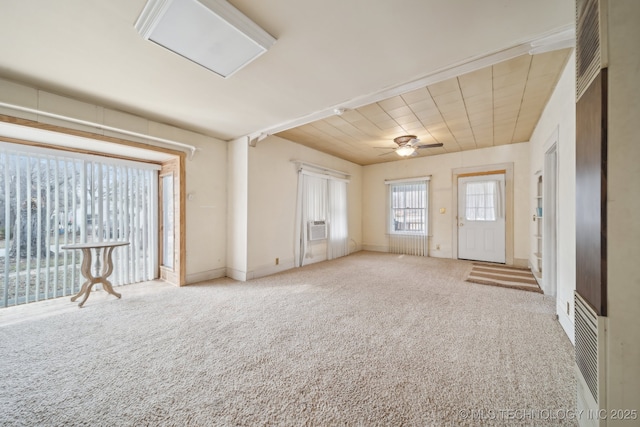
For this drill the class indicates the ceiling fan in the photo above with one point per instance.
(408, 145)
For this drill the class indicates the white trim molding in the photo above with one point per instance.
(192, 149)
(399, 181)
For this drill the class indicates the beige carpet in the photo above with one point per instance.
(370, 339)
(504, 276)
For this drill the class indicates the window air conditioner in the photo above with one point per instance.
(317, 230)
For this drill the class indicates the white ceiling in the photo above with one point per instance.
(328, 53)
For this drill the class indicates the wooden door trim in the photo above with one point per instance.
(177, 274)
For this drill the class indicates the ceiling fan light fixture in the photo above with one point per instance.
(405, 150)
(405, 139)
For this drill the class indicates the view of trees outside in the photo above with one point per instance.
(48, 201)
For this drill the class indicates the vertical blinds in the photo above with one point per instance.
(48, 200)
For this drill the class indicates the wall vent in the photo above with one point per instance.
(590, 42)
(587, 344)
(317, 230)
(590, 346)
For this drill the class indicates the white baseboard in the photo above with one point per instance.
(375, 248)
(234, 274)
(268, 270)
(206, 275)
(567, 324)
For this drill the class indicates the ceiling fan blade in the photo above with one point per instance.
(384, 154)
(386, 148)
(439, 144)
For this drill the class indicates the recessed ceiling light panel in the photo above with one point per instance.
(211, 33)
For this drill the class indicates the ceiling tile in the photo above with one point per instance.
(386, 124)
(476, 83)
(424, 105)
(448, 98)
(353, 116)
(414, 128)
(415, 96)
(400, 112)
(370, 110)
(392, 103)
(446, 86)
(517, 65)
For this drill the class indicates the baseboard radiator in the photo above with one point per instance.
(590, 346)
(408, 244)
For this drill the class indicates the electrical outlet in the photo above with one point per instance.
(277, 261)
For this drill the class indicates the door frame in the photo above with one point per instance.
(507, 169)
(498, 227)
(550, 222)
(176, 274)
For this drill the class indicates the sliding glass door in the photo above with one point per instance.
(50, 198)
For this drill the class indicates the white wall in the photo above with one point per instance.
(560, 116)
(441, 168)
(623, 205)
(206, 173)
(273, 184)
(237, 208)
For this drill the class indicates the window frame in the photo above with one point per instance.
(392, 184)
(177, 166)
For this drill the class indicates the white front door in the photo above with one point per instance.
(481, 222)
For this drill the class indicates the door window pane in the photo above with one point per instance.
(481, 201)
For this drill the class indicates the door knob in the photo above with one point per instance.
(461, 224)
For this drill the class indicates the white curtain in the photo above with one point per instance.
(321, 198)
(338, 236)
(483, 201)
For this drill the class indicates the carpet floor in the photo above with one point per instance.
(504, 276)
(365, 340)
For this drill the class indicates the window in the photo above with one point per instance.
(408, 208)
(481, 201)
(321, 197)
(50, 198)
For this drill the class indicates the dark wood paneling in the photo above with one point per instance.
(591, 194)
